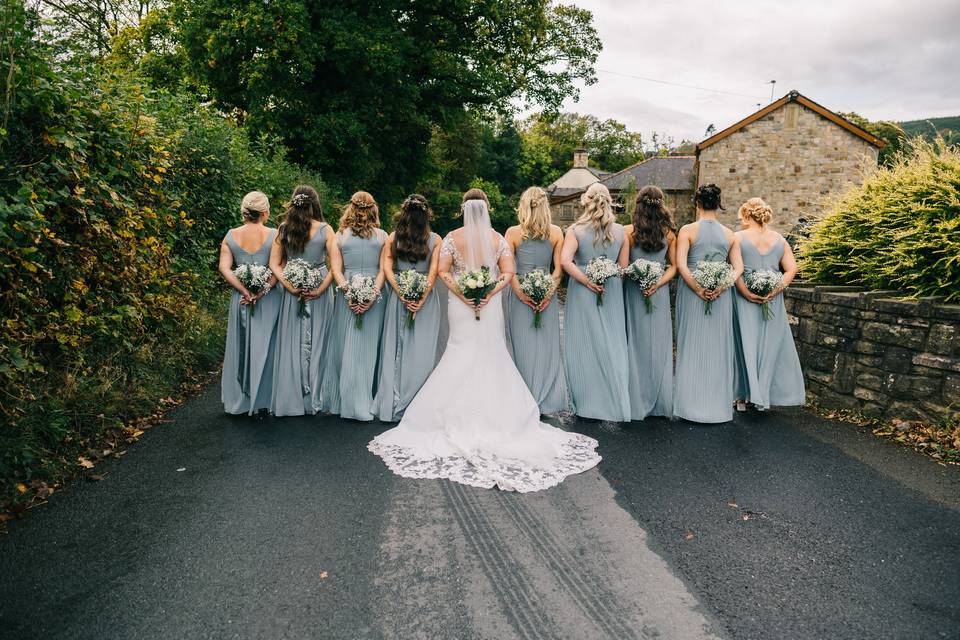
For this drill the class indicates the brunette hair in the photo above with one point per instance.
(651, 220)
(411, 235)
(361, 215)
(301, 211)
(476, 194)
(757, 210)
(533, 214)
(708, 197)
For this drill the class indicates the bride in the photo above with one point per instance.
(474, 421)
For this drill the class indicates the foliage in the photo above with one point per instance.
(889, 132)
(900, 230)
(932, 128)
(113, 200)
(355, 87)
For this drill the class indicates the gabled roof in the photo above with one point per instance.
(670, 173)
(794, 96)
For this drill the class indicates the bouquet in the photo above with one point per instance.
(537, 285)
(255, 278)
(714, 275)
(645, 273)
(412, 285)
(304, 276)
(475, 285)
(763, 283)
(361, 290)
(599, 270)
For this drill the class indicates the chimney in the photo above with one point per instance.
(580, 158)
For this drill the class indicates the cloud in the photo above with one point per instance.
(885, 59)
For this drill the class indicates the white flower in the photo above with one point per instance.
(601, 269)
(645, 273)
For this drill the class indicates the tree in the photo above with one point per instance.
(711, 131)
(355, 87)
(890, 132)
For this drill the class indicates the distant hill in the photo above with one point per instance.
(948, 127)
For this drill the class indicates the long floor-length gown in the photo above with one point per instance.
(349, 375)
(407, 354)
(300, 340)
(474, 421)
(595, 337)
(247, 379)
(536, 351)
(705, 370)
(768, 367)
(650, 344)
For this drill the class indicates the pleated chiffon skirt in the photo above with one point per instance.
(247, 382)
(300, 354)
(650, 352)
(536, 352)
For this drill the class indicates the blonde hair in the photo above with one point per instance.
(254, 205)
(757, 210)
(597, 213)
(533, 213)
(361, 215)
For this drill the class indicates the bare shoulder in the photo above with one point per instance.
(689, 229)
(627, 229)
(556, 234)
(512, 233)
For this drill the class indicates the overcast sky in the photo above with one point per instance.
(885, 59)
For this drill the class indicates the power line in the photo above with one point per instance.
(679, 84)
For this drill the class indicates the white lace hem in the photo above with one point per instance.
(487, 471)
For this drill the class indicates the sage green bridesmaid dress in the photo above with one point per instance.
(768, 367)
(536, 352)
(349, 374)
(650, 344)
(407, 354)
(300, 341)
(705, 370)
(247, 380)
(595, 338)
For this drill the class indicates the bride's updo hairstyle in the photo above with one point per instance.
(597, 213)
(757, 210)
(300, 212)
(651, 220)
(708, 197)
(474, 194)
(411, 235)
(533, 214)
(254, 205)
(361, 215)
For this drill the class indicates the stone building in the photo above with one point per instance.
(793, 153)
(571, 184)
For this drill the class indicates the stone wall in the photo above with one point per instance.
(871, 352)
(793, 158)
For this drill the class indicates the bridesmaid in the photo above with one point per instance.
(536, 351)
(595, 337)
(349, 374)
(248, 359)
(706, 356)
(300, 336)
(768, 368)
(408, 354)
(650, 334)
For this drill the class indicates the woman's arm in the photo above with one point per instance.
(556, 241)
(226, 270)
(336, 264)
(570, 245)
(513, 241)
(788, 264)
(276, 266)
(379, 280)
(684, 240)
(330, 241)
(671, 270)
(624, 258)
(386, 264)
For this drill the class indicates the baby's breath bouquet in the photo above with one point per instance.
(536, 285)
(762, 283)
(255, 277)
(303, 276)
(714, 275)
(599, 270)
(475, 285)
(361, 290)
(645, 273)
(412, 285)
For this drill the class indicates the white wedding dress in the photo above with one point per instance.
(474, 420)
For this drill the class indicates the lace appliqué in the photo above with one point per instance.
(449, 248)
(488, 471)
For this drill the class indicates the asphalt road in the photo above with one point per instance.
(776, 526)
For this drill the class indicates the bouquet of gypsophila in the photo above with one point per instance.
(475, 285)
(303, 276)
(412, 286)
(599, 270)
(255, 277)
(762, 283)
(645, 273)
(361, 290)
(536, 285)
(713, 275)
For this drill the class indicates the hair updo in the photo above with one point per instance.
(411, 235)
(254, 205)
(361, 215)
(757, 210)
(708, 197)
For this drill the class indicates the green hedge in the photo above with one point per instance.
(900, 230)
(113, 200)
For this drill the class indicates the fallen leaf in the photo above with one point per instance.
(324, 575)
(745, 517)
(733, 505)
(83, 462)
(22, 488)
(182, 469)
(94, 477)
(689, 536)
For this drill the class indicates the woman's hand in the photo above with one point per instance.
(651, 290)
(593, 286)
(754, 298)
(704, 294)
(527, 300)
(545, 302)
(311, 294)
(774, 294)
(413, 306)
